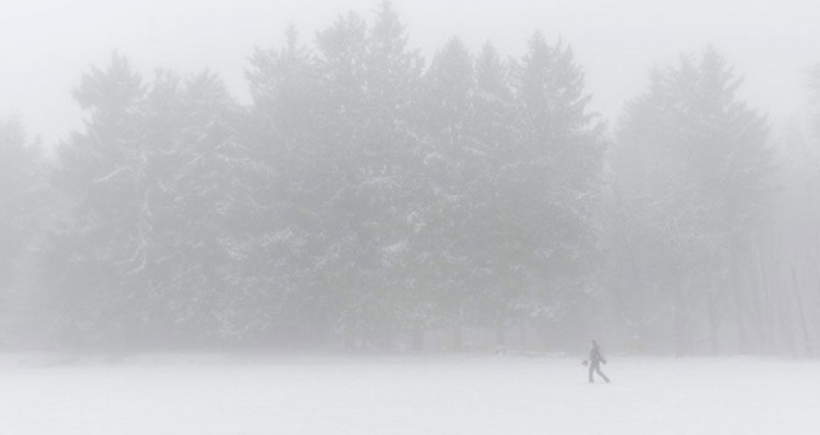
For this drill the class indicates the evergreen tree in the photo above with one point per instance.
(154, 184)
(199, 193)
(694, 166)
(447, 188)
(25, 204)
(377, 196)
(554, 191)
(349, 258)
(20, 173)
(491, 125)
(286, 126)
(101, 240)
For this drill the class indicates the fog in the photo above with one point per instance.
(484, 397)
(410, 177)
(48, 43)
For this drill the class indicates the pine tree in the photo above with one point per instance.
(19, 185)
(156, 186)
(448, 188)
(199, 193)
(555, 189)
(287, 128)
(375, 196)
(347, 256)
(25, 207)
(491, 125)
(101, 239)
(694, 166)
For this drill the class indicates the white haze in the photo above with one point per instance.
(47, 44)
(386, 396)
(95, 222)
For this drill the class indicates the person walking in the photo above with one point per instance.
(595, 360)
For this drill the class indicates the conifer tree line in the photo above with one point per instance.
(367, 197)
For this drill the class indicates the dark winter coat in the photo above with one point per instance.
(595, 355)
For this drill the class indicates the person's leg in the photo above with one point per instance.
(592, 367)
(601, 374)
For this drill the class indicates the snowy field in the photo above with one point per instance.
(392, 395)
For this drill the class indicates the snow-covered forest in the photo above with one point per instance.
(369, 197)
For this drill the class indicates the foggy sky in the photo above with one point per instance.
(47, 44)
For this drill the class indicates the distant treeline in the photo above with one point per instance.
(368, 197)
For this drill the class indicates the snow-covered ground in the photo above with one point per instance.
(380, 395)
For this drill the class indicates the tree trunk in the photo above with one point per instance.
(803, 325)
(458, 337)
(417, 340)
(681, 348)
(522, 328)
(743, 340)
(768, 326)
(714, 323)
(500, 337)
